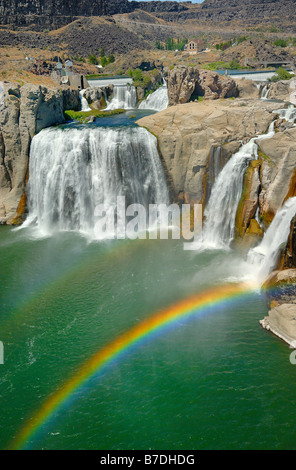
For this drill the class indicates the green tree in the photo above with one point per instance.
(104, 61)
(281, 74)
(92, 59)
(138, 75)
(158, 45)
(281, 42)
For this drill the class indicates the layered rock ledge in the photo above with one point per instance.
(197, 139)
(24, 111)
(280, 291)
(281, 321)
(189, 83)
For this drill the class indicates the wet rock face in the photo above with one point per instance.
(277, 172)
(24, 111)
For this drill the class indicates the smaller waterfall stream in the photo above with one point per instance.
(84, 104)
(157, 101)
(289, 113)
(264, 92)
(221, 210)
(125, 97)
(264, 257)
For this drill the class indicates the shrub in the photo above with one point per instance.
(281, 42)
(104, 61)
(281, 74)
(92, 59)
(137, 75)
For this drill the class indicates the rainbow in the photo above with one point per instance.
(186, 309)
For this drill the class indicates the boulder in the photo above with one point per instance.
(247, 88)
(279, 287)
(281, 321)
(181, 83)
(283, 90)
(188, 83)
(212, 85)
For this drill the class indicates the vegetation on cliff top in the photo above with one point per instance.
(82, 115)
(281, 74)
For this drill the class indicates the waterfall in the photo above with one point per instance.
(157, 101)
(264, 92)
(72, 170)
(84, 104)
(125, 97)
(289, 113)
(263, 258)
(221, 210)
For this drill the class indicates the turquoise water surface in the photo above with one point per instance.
(216, 382)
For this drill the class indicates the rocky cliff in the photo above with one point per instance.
(54, 13)
(24, 111)
(188, 83)
(242, 12)
(61, 12)
(196, 140)
(57, 12)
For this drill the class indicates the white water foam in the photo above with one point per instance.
(157, 101)
(74, 170)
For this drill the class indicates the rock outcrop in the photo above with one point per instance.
(62, 12)
(283, 90)
(247, 88)
(24, 111)
(189, 83)
(277, 172)
(195, 137)
(97, 97)
(57, 12)
(281, 321)
(279, 290)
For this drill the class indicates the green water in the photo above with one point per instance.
(216, 382)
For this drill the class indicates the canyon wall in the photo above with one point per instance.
(196, 140)
(55, 13)
(24, 111)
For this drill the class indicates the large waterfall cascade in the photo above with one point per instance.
(74, 170)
